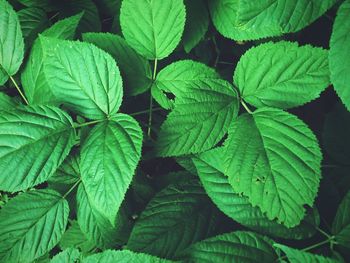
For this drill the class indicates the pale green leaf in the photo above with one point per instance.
(176, 217)
(34, 141)
(69, 255)
(33, 79)
(341, 222)
(210, 170)
(274, 159)
(288, 75)
(31, 224)
(75, 238)
(339, 62)
(135, 70)
(123, 256)
(240, 246)
(83, 77)
(11, 42)
(197, 23)
(297, 256)
(109, 156)
(255, 19)
(153, 28)
(200, 118)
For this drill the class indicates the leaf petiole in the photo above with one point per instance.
(18, 89)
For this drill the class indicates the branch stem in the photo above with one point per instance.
(18, 89)
(245, 106)
(71, 189)
(151, 99)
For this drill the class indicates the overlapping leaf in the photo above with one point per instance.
(274, 159)
(341, 222)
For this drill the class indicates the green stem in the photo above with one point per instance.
(151, 99)
(317, 245)
(245, 106)
(145, 111)
(71, 189)
(18, 89)
(324, 233)
(87, 123)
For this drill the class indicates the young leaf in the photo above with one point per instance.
(83, 77)
(178, 77)
(288, 75)
(75, 238)
(109, 156)
(153, 28)
(297, 256)
(176, 217)
(123, 256)
(33, 21)
(210, 170)
(341, 223)
(255, 19)
(237, 246)
(274, 159)
(33, 80)
(31, 224)
(135, 70)
(34, 141)
(96, 226)
(70, 255)
(339, 62)
(197, 23)
(11, 42)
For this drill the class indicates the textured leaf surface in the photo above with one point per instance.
(109, 157)
(34, 141)
(297, 256)
(69, 255)
(153, 28)
(31, 224)
(83, 77)
(288, 75)
(250, 20)
(135, 70)
(211, 173)
(123, 256)
(274, 159)
(11, 42)
(33, 79)
(245, 247)
(75, 238)
(176, 217)
(6, 102)
(95, 225)
(339, 62)
(197, 23)
(341, 222)
(199, 120)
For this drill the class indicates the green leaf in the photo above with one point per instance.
(109, 156)
(240, 246)
(178, 77)
(176, 217)
(82, 77)
(47, 5)
(153, 28)
(96, 226)
(210, 170)
(34, 141)
(199, 120)
(341, 222)
(6, 102)
(33, 21)
(11, 42)
(297, 256)
(75, 238)
(288, 75)
(274, 159)
(197, 23)
(33, 79)
(135, 70)
(255, 19)
(339, 62)
(69, 255)
(123, 256)
(31, 224)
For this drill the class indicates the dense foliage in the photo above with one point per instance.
(174, 131)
